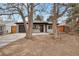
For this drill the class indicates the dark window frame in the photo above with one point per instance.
(49, 27)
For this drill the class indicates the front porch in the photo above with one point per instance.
(38, 27)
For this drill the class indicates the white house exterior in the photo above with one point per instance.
(2, 26)
(5, 26)
(38, 26)
(8, 26)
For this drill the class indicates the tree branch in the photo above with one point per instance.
(8, 14)
(63, 12)
(36, 5)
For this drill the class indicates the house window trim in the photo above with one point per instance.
(49, 26)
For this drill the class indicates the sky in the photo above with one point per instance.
(39, 1)
(45, 13)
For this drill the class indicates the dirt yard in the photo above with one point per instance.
(43, 45)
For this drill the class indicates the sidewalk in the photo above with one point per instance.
(6, 39)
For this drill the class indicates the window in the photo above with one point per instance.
(34, 27)
(49, 27)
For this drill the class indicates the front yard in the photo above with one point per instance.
(43, 45)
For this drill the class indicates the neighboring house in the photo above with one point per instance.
(2, 27)
(9, 25)
(38, 26)
(63, 27)
(6, 26)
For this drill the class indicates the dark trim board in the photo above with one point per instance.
(36, 23)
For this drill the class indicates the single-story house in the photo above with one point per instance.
(18, 27)
(38, 26)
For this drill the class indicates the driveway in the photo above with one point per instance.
(4, 40)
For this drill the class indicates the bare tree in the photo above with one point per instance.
(16, 8)
(30, 19)
(55, 15)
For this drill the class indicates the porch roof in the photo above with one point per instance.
(35, 22)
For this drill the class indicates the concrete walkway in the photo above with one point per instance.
(5, 40)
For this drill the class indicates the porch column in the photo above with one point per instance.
(4, 30)
(17, 28)
(44, 28)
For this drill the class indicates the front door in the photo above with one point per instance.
(41, 28)
(21, 29)
(13, 29)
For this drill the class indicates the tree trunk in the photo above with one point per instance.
(55, 30)
(26, 31)
(54, 21)
(30, 21)
(30, 25)
(24, 21)
(25, 25)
